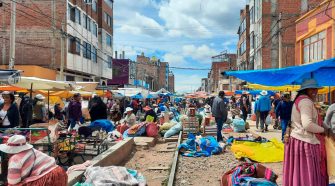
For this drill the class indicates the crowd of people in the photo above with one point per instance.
(304, 130)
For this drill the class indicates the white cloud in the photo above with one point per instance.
(174, 59)
(142, 25)
(186, 82)
(202, 54)
(201, 19)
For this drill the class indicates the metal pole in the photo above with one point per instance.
(12, 36)
(280, 41)
(3, 40)
(48, 104)
(61, 73)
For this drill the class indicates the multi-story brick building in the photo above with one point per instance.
(40, 26)
(221, 63)
(171, 87)
(264, 31)
(163, 75)
(315, 36)
(153, 74)
(243, 45)
(204, 85)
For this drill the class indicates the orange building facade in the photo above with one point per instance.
(315, 32)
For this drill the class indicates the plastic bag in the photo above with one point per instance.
(268, 120)
(239, 125)
(152, 130)
(330, 149)
(259, 152)
(174, 130)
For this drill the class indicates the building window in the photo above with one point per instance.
(315, 48)
(70, 78)
(252, 15)
(108, 19)
(94, 29)
(87, 23)
(252, 40)
(108, 40)
(94, 5)
(74, 14)
(243, 47)
(109, 62)
(74, 45)
(94, 55)
(86, 50)
(243, 26)
(78, 16)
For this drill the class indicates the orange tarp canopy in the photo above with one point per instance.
(10, 88)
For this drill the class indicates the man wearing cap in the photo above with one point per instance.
(30, 167)
(264, 107)
(74, 109)
(219, 111)
(39, 109)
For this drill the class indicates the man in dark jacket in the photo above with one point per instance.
(74, 110)
(220, 113)
(284, 111)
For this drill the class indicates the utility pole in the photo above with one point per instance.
(280, 41)
(61, 73)
(12, 36)
(3, 29)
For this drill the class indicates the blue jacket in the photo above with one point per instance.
(284, 110)
(256, 109)
(264, 104)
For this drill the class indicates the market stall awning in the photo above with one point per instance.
(9, 76)
(42, 84)
(285, 88)
(10, 88)
(323, 72)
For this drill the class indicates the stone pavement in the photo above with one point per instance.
(272, 133)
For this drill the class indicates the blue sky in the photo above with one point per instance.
(185, 33)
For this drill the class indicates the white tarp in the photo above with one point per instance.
(42, 84)
(128, 92)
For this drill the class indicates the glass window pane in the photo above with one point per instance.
(311, 53)
(315, 52)
(324, 49)
(306, 41)
(319, 44)
(306, 54)
(314, 38)
(322, 34)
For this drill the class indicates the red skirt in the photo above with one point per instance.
(56, 177)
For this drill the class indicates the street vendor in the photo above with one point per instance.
(149, 112)
(39, 109)
(28, 166)
(130, 118)
(9, 112)
(128, 121)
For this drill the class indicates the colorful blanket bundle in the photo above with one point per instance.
(249, 174)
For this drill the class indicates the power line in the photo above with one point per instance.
(28, 44)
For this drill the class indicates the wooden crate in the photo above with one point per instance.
(191, 125)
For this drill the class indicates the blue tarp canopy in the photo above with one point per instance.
(137, 96)
(323, 72)
(254, 92)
